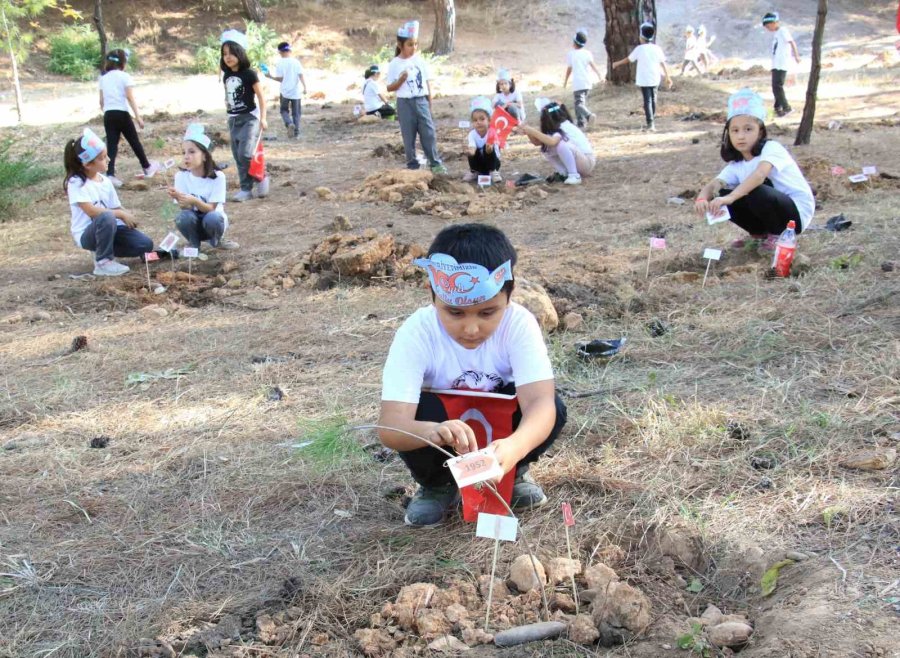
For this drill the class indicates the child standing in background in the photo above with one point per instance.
(508, 97)
(116, 96)
(289, 73)
(374, 101)
(484, 154)
(704, 54)
(651, 63)
(579, 61)
(562, 144)
(783, 47)
(408, 76)
(690, 51)
(246, 110)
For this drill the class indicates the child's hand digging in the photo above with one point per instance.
(454, 434)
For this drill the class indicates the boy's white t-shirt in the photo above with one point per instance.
(114, 85)
(424, 356)
(781, 49)
(371, 98)
(785, 176)
(580, 59)
(515, 97)
(649, 58)
(210, 190)
(289, 70)
(576, 137)
(416, 83)
(98, 193)
(690, 48)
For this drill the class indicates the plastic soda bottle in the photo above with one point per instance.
(785, 249)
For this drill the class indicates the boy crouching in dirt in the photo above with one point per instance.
(470, 337)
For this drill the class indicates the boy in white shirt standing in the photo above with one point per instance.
(289, 73)
(651, 65)
(579, 60)
(471, 337)
(783, 48)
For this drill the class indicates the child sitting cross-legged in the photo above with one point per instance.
(470, 337)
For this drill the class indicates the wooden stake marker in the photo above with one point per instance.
(496, 527)
(149, 256)
(569, 521)
(710, 255)
(655, 243)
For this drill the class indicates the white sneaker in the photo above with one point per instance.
(115, 181)
(243, 195)
(496, 177)
(573, 179)
(262, 188)
(110, 267)
(227, 245)
(470, 177)
(152, 170)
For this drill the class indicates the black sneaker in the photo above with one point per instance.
(556, 177)
(430, 505)
(526, 492)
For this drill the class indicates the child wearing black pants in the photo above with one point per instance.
(481, 147)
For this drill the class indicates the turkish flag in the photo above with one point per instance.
(502, 123)
(258, 164)
(490, 415)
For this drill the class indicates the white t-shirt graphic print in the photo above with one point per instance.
(417, 76)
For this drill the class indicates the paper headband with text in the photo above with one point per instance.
(482, 103)
(746, 101)
(504, 75)
(92, 145)
(197, 133)
(410, 30)
(234, 36)
(463, 284)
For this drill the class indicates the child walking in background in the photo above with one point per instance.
(783, 48)
(289, 73)
(246, 108)
(690, 51)
(562, 144)
(762, 185)
(508, 97)
(651, 65)
(470, 337)
(704, 54)
(374, 101)
(483, 153)
(579, 61)
(199, 190)
(116, 95)
(99, 222)
(408, 75)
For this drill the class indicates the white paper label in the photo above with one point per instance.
(858, 178)
(465, 124)
(168, 164)
(475, 467)
(169, 241)
(190, 252)
(494, 526)
(870, 170)
(484, 181)
(723, 216)
(712, 254)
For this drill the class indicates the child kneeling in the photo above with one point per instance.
(471, 337)
(482, 150)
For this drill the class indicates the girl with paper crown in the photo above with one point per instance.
(470, 337)
(482, 151)
(116, 96)
(199, 190)
(761, 184)
(99, 222)
(508, 97)
(562, 144)
(408, 75)
(246, 108)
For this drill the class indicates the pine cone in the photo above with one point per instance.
(78, 343)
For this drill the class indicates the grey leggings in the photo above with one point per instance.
(582, 113)
(415, 118)
(244, 129)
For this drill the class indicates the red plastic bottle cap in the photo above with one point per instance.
(791, 224)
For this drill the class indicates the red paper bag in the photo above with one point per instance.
(490, 415)
(502, 123)
(257, 168)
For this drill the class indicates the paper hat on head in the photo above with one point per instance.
(482, 103)
(688, 29)
(92, 145)
(410, 30)
(580, 37)
(375, 68)
(770, 17)
(197, 133)
(463, 284)
(504, 74)
(541, 102)
(234, 36)
(701, 29)
(746, 101)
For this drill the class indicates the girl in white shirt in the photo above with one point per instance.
(482, 149)
(374, 101)
(562, 143)
(115, 98)
(508, 97)
(761, 185)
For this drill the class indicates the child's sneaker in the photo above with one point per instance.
(291, 131)
(262, 188)
(496, 177)
(439, 169)
(227, 245)
(110, 267)
(243, 195)
(526, 492)
(152, 170)
(470, 177)
(573, 179)
(750, 240)
(767, 246)
(115, 181)
(430, 505)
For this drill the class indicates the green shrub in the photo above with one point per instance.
(262, 41)
(75, 51)
(17, 173)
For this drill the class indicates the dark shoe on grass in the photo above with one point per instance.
(430, 505)
(526, 492)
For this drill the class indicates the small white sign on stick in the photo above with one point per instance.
(475, 467)
(190, 252)
(484, 181)
(495, 526)
(712, 254)
(723, 216)
(169, 241)
(870, 170)
(465, 124)
(168, 164)
(858, 178)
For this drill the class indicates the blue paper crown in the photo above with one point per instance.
(92, 145)
(197, 133)
(746, 101)
(482, 103)
(463, 284)
(235, 36)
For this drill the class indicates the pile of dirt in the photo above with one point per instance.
(359, 256)
(737, 72)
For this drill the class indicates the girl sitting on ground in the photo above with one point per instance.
(562, 143)
(199, 190)
(762, 185)
(374, 101)
(482, 149)
(508, 97)
(99, 222)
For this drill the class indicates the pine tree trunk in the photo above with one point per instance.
(804, 132)
(444, 27)
(98, 23)
(15, 66)
(623, 20)
(254, 11)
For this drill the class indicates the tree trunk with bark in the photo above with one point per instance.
(101, 31)
(444, 27)
(623, 21)
(15, 66)
(254, 11)
(804, 132)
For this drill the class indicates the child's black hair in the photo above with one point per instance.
(238, 51)
(372, 70)
(209, 165)
(115, 60)
(512, 86)
(480, 244)
(552, 117)
(73, 164)
(580, 39)
(731, 154)
(400, 42)
(648, 31)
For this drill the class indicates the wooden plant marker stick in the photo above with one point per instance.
(706, 273)
(487, 611)
(147, 265)
(655, 243)
(710, 255)
(646, 276)
(568, 520)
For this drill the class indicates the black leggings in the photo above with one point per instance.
(117, 124)
(649, 94)
(427, 464)
(781, 101)
(764, 211)
(386, 111)
(484, 161)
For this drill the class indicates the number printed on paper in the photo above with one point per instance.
(475, 467)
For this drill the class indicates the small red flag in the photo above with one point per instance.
(151, 256)
(502, 123)
(568, 519)
(258, 164)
